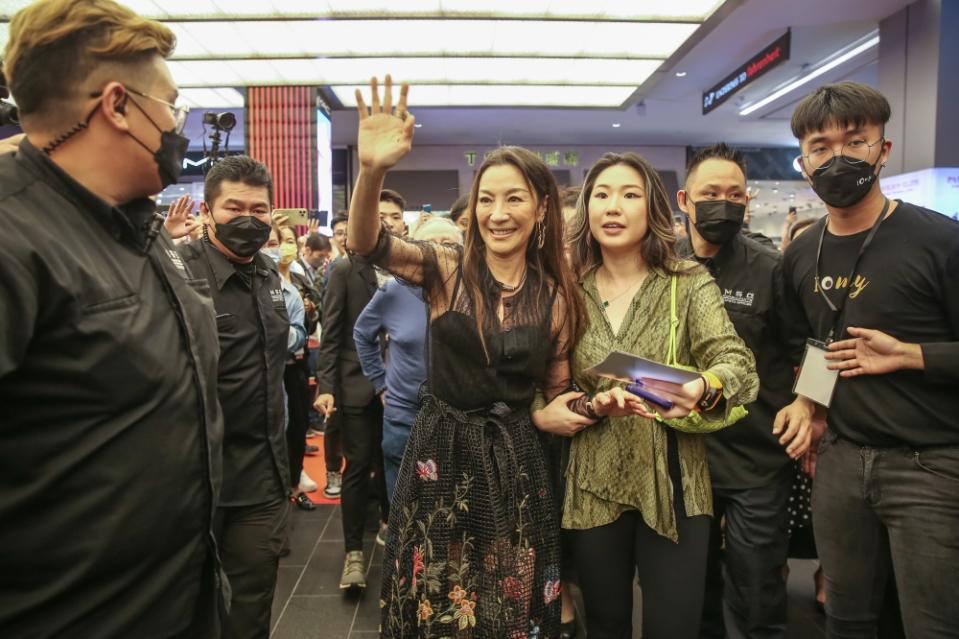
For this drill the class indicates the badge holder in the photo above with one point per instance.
(815, 381)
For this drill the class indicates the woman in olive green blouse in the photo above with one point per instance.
(637, 490)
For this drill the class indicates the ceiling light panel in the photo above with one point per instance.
(316, 38)
(212, 98)
(544, 71)
(693, 10)
(444, 95)
(686, 10)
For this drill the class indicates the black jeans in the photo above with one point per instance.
(362, 434)
(298, 406)
(745, 588)
(880, 509)
(250, 539)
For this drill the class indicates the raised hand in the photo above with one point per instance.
(385, 133)
(180, 220)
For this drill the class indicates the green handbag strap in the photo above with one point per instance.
(673, 324)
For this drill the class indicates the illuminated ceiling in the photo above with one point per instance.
(562, 53)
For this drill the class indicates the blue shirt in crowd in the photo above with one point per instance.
(399, 311)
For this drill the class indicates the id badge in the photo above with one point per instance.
(815, 381)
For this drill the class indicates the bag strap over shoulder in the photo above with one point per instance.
(673, 323)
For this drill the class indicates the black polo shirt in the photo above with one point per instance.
(253, 326)
(749, 275)
(110, 430)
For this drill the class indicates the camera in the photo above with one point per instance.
(221, 122)
(224, 121)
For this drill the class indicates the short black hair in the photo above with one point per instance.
(720, 151)
(458, 207)
(389, 195)
(317, 242)
(337, 219)
(236, 168)
(843, 104)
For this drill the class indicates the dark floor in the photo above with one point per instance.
(310, 605)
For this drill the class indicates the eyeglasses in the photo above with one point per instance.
(179, 112)
(854, 152)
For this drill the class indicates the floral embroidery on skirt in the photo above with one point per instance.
(473, 542)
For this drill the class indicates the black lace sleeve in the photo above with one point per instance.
(428, 265)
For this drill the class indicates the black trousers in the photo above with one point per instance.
(250, 539)
(362, 435)
(745, 588)
(671, 574)
(332, 444)
(298, 406)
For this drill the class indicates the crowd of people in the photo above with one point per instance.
(157, 371)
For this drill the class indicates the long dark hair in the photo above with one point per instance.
(547, 263)
(657, 247)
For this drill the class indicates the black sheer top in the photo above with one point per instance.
(525, 337)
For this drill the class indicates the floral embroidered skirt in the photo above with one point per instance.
(473, 543)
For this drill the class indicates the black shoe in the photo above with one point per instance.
(311, 450)
(303, 502)
(567, 630)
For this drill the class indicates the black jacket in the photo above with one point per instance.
(253, 328)
(350, 288)
(110, 430)
(749, 276)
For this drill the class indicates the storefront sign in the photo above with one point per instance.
(759, 64)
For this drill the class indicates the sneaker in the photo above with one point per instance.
(381, 534)
(334, 485)
(307, 485)
(353, 571)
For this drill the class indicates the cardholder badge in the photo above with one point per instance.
(815, 381)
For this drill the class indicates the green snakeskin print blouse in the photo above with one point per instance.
(619, 464)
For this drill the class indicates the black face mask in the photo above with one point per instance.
(169, 157)
(718, 221)
(244, 234)
(841, 184)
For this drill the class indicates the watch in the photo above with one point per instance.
(712, 392)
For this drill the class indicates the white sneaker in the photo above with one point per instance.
(307, 485)
(334, 485)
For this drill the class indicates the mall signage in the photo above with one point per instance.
(755, 67)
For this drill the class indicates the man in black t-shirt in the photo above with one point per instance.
(880, 278)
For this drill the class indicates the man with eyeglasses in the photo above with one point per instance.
(110, 439)
(874, 286)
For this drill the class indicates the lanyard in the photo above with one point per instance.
(837, 308)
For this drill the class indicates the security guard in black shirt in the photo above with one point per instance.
(253, 326)
(110, 432)
(750, 463)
